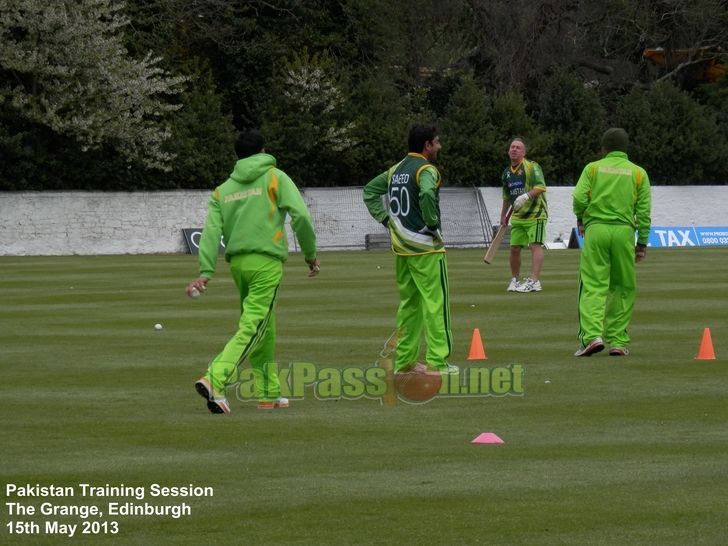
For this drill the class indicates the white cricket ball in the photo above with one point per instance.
(547, 381)
(194, 293)
(379, 267)
(157, 326)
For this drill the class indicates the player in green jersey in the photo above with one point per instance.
(523, 189)
(413, 219)
(611, 200)
(249, 211)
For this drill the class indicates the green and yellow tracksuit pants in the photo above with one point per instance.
(607, 283)
(257, 278)
(424, 305)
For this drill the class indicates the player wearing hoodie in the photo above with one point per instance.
(249, 212)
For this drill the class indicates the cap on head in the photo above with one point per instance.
(615, 140)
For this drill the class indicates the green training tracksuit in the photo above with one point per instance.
(413, 218)
(249, 211)
(612, 199)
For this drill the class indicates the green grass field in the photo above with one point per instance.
(598, 450)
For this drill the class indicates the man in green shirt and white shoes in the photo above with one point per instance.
(611, 200)
(524, 189)
(249, 211)
(413, 218)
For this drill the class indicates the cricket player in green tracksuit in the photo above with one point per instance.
(611, 200)
(524, 189)
(249, 211)
(413, 219)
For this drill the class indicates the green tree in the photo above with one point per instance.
(307, 123)
(677, 140)
(382, 117)
(202, 138)
(715, 98)
(572, 117)
(63, 65)
(511, 119)
(470, 155)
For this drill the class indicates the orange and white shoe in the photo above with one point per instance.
(215, 403)
(273, 404)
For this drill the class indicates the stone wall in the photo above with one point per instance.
(67, 223)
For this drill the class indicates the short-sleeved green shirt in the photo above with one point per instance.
(520, 179)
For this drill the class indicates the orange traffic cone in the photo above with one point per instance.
(706, 351)
(476, 347)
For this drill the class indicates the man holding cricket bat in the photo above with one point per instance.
(611, 200)
(412, 216)
(523, 193)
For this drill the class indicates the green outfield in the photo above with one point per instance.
(597, 450)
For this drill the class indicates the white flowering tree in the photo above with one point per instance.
(309, 84)
(308, 122)
(63, 64)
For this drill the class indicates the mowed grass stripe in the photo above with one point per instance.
(598, 450)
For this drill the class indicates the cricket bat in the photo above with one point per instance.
(495, 243)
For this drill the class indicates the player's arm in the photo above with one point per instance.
(536, 185)
(429, 181)
(643, 207)
(537, 182)
(505, 207)
(581, 195)
(527, 196)
(210, 239)
(373, 192)
(289, 199)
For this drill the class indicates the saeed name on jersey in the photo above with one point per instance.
(106, 490)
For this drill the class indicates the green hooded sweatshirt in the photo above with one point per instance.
(614, 190)
(249, 211)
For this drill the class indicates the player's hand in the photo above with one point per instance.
(433, 232)
(580, 227)
(521, 200)
(314, 266)
(199, 285)
(640, 252)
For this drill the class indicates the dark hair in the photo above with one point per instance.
(615, 140)
(419, 135)
(249, 143)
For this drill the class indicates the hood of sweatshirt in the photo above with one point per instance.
(251, 168)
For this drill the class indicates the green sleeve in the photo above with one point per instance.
(643, 209)
(373, 192)
(582, 193)
(428, 181)
(290, 200)
(210, 240)
(538, 179)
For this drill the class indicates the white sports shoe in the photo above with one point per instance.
(594, 346)
(513, 286)
(216, 403)
(529, 285)
(272, 404)
(451, 369)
